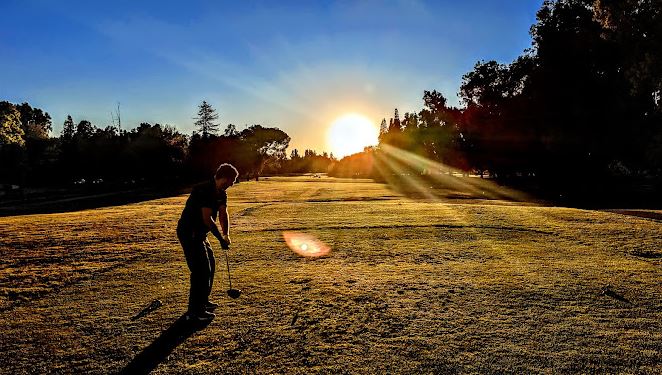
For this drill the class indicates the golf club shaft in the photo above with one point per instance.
(227, 262)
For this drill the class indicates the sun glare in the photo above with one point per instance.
(350, 133)
(306, 245)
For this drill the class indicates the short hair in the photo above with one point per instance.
(227, 171)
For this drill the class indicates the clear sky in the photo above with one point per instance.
(296, 65)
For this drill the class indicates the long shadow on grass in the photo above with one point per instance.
(161, 348)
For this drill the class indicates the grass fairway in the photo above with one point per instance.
(411, 286)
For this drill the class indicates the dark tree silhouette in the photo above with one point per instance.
(36, 123)
(582, 105)
(84, 130)
(206, 120)
(359, 165)
(68, 130)
(499, 134)
(261, 146)
(155, 151)
(231, 131)
(310, 162)
(12, 144)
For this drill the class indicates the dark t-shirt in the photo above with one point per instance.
(202, 195)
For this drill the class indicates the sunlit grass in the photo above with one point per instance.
(412, 286)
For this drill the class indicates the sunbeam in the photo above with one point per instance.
(440, 175)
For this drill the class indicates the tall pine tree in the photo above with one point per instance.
(205, 122)
(68, 129)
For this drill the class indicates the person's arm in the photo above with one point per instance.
(224, 219)
(210, 223)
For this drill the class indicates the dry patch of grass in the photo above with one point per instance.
(410, 287)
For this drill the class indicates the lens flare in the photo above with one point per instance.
(305, 244)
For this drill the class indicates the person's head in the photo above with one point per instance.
(225, 176)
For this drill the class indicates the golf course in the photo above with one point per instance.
(432, 284)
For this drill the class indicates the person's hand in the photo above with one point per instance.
(225, 242)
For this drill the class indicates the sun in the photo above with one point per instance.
(350, 133)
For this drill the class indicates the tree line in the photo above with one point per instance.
(86, 153)
(582, 103)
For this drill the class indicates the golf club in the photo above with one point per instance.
(233, 293)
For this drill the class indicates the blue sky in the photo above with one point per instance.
(296, 65)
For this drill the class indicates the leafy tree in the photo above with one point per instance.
(634, 30)
(410, 122)
(359, 165)
(35, 122)
(231, 131)
(205, 122)
(261, 146)
(635, 27)
(496, 123)
(85, 130)
(439, 135)
(28, 150)
(155, 151)
(560, 108)
(11, 132)
(12, 145)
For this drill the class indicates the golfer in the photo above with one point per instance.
(207, 201)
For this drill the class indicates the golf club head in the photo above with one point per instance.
(234, 293)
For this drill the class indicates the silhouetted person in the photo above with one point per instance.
(207, 201)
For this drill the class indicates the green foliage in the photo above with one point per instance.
(35, 122)
(433, 132)
(11, 132)
(261, 146)
(561, 108)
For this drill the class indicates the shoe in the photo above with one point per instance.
(202, 316)
(211, 306)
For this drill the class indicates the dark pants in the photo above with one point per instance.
(202, 264)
